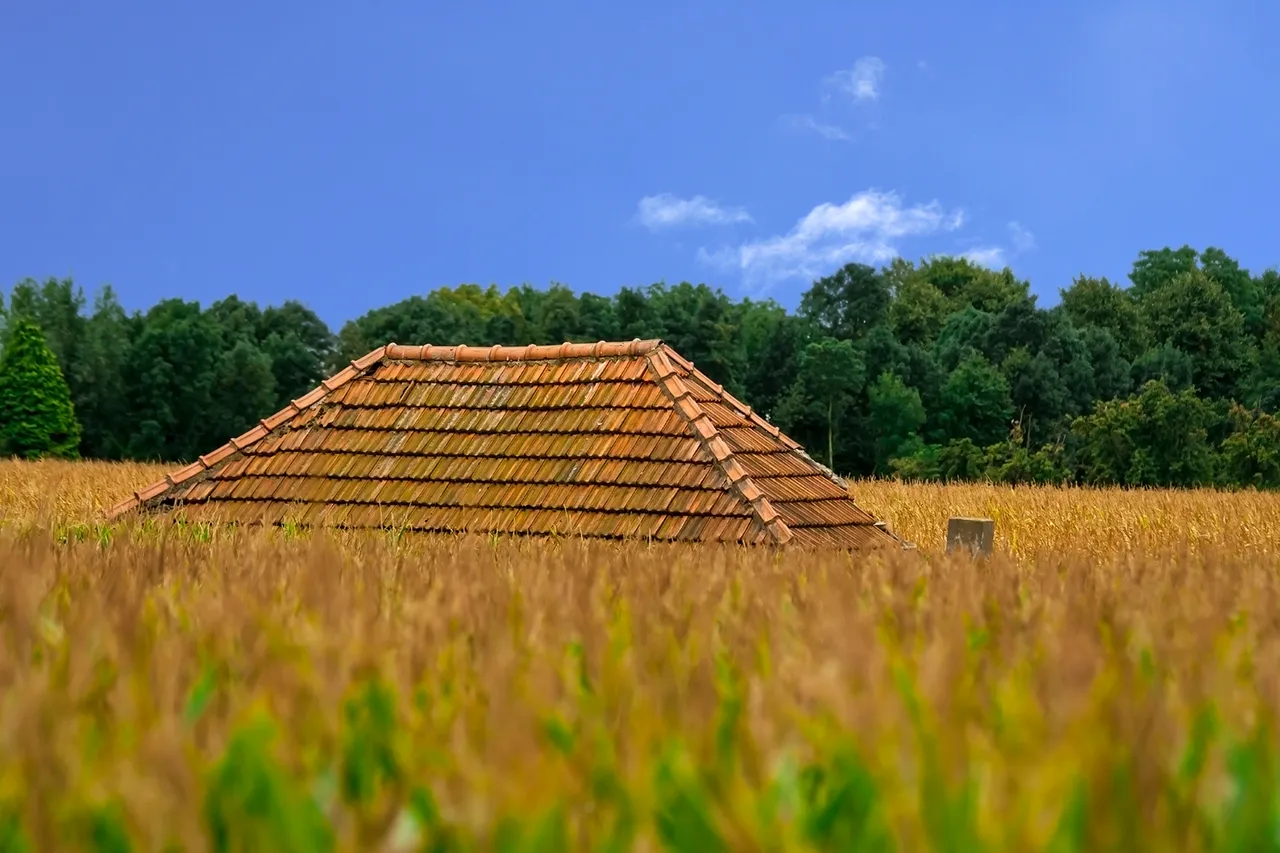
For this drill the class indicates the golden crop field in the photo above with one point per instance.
(1106, 681)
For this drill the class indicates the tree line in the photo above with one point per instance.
(936, 370)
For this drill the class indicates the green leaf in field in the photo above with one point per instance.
(977, 639)
(684, 819)
(782, 799)
(1251, 820)
(202, 692)
(950, 817)
(13, 839)
(507, 835)
(424, 807)
(618, 811)
(1122, 803)
(578, 657)
(1183, 790)
(842, 806)
(251, 804)
(437, 835)
(549, 834)
(728, 715)
(1146, 665)
(559, 734)
(369, 756)
(1203, 729)
(1072, 832)
(104, 829)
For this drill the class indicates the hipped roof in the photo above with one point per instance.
(617, 440)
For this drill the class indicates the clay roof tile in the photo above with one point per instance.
(520, 439)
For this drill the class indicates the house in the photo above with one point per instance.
(615, 440)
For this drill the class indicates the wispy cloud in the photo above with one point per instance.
(992, 257)
(809, 124)
(1023, 240)
(863, 81)
(867, 228)
(667, 211)
(998, 257)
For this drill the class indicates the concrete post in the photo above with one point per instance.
(976, 535)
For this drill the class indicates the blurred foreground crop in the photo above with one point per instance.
(188, 689)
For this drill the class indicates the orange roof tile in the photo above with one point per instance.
(623, 439)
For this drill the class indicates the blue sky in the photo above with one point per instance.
(350, 154)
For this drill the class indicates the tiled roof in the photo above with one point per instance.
(610, 439)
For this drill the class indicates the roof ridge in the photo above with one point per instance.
(532, 352)
(685, 404)
(257, 433)
(750, 414)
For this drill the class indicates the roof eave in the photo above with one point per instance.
(246, 440)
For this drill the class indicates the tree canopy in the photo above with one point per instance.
(941, 369)
(36, 415)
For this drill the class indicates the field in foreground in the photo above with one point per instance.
(1105, 682)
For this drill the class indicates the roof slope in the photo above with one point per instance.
(608, 440)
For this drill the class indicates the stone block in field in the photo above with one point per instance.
(975, 535)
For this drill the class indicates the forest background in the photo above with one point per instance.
(941, 370)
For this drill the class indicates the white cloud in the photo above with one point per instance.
(997, 257)
(809, 124)
(866, 228)
(992, 257)
(1023, 240)
(666, 210)
(861, 82)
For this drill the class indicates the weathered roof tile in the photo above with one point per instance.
(614, 439)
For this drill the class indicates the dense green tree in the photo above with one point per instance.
(1193, 313)
(102, 404)
(235, 320)
(37, 418)
(1251, 453)
(897, 414)
(965, 283)
(829, 378)
(170, 378)
(1036, 390)
(971, 377)
(975, 403)
(598, 317)
(300, 347)
(773, 341)
(881, 352)
(635, 315)
(1112, 375)
(702, 325)
(1016, 461)
(55, 307)
(1020, 324)
(1155, 268)
(848, 303)
(1262, 389)
(1095, 303)
(556, 316)
(918, 311)
(1067, 351)
(1244, 291)
(243, 390)
(965, 334)
(1157, 438)
(1166, 364)
(1269, 294)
